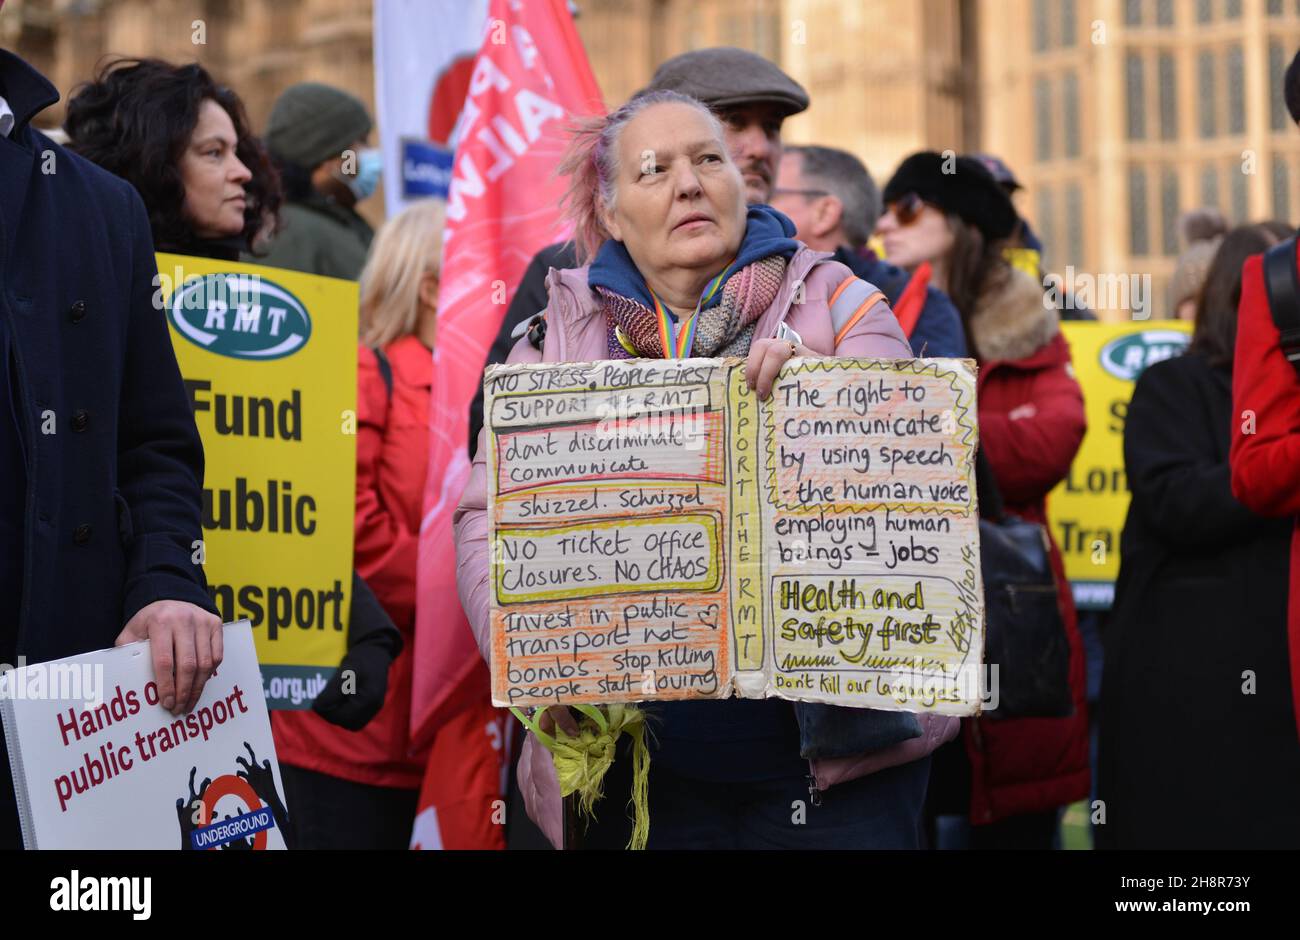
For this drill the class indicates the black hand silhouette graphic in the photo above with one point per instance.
(262, 779)
(186, 808)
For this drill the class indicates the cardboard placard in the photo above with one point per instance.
(657, 532)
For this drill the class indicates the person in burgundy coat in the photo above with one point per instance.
(1011, 776)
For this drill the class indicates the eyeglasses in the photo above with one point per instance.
(810, 193)
(907, 209)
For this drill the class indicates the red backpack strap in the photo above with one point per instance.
(912, 301)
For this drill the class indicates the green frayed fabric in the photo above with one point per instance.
(581, 762)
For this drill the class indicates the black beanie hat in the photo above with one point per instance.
(968, 191)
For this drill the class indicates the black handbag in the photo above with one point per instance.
(1024, 630)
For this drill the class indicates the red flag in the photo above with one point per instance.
(462, 803)
(530, 79)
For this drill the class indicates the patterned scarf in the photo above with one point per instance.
(726, 329)
(637, 325)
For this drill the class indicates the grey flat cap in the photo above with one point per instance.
(724, 77)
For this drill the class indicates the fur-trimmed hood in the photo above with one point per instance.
(1011, 320)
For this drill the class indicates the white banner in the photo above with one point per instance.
(424, 52)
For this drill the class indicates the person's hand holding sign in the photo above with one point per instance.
(186, 643)
(558, 716)
(766, 357)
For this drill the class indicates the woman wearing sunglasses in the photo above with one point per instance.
(950, 213)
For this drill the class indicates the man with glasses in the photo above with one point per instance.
(834, 204)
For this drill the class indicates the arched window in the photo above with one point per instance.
(1043, 119)
(1205, 90)
(1069, 21)
(1041, 41)
(1136, 97)
(1239, 195)
(1168, 83)
(1074, 225)
(1277, 63)
(1281, 189)
(1070, 113)
(1046, 222)
(1236, 91)
(1210, 187)
(1138, 234)
(1169, 210)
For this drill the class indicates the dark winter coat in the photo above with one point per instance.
(319, 236)
(1198, 741)
(112, 465)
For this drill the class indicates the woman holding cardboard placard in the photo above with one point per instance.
(676, 265)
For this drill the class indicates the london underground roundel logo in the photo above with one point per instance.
(231, 797)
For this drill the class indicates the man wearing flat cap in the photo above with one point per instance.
(317, 136)
(751, 96)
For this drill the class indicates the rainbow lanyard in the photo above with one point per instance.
(677, 344)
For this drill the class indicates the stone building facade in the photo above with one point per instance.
(1117, 115)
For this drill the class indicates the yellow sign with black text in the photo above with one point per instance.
(269, 360)
(1086, 511)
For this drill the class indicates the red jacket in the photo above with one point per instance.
(1265, 454)
(392, 457)
(1031, 424)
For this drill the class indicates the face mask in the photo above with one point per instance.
(370, 165)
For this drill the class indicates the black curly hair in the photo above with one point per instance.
(135, 119)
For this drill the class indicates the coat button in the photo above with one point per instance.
(81, 535)
(80, 420)
(77, 312)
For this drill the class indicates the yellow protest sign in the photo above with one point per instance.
(1086, 511)
(269, 360)
(659, 533)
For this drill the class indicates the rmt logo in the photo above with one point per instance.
(243, 316)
